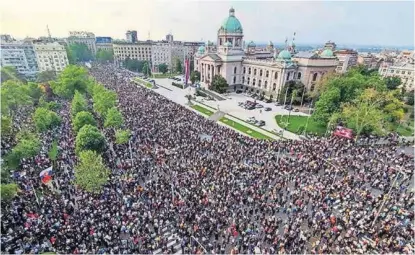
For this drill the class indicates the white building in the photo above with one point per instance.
(138, 51)
(264, 71)
(405, 71)
(21, 55)
(51, 56)
(347, 59)
(86, 38)
(161, 54)
(103, 43)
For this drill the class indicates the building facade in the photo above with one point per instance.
(103, 43)
(405, 71)
(260, 71)
(51, 56)
(161, 54)
(21, 55)
(139, 51)
(347, 59)
(86, 38)
(131, 36)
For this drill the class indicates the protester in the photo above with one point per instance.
(229, 194)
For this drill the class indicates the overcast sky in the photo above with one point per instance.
(364, 23)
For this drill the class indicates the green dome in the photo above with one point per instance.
(231, 24)
(327, 53)
(251, 44)
(285, 55)
(201, 49)
(228, 44)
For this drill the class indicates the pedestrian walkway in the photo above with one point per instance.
(217, 116)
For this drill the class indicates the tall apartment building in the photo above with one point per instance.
(161, 54)
(405, 71)
(131, 36)
(139, 51)
(5, 38)
(347, 59)
(169, 38)
(87, 38)
(21, 55)
(103, 43)
(51, 56)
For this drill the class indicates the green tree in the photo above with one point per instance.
(91, 174)
(328, 104)
(194, 76)
(72, 78)
(104, 100)
(113, 118)
(6, 126)
(70, 55)
(392, 83)
(104, 56)
(163, 68)
(9, 73)
(146, 69)
(89, 138)
(13, 95)
(133, 64)
(410, 97)
(45, 119)
(122, 136)
(219, 84)
(81, 119)
(80, 52)
(8, 192)
(53, 151)
(364, 114)
(290, 87)
(28, 146)
(79, 103)
(179, 67)
(46, 76)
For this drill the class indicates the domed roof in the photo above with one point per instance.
(201, 49)
(231, 24)
(251, 44)
(227, 44)
(327, 53)
(285, 55)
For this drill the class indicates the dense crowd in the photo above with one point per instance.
(228, 194)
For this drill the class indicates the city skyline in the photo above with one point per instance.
(357, 23)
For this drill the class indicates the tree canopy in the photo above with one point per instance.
(28, 146)
(178, 65)
(15, 94)
(219, 84)
(81, 119)
(46, 76)
(72, 78)
(133, 64)
(122, 136)
(289, 88)
(91, 173)
(103, 99)
(146, 68)
(113, 118)
(80, 52)
(163, 68)
(89, 138)
(105, 55)
(8, 191)
(45, 119)
(194, 76)
(78, 104)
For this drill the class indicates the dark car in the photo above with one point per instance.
(288, 107)
(238, 91)
(267, 109)
(260, 123)
(268, 101)
(296, 110)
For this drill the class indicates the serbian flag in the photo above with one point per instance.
(46, 175)
(186, 71)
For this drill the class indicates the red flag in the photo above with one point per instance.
(187, 70)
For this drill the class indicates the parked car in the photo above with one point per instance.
(251, 120)
(238, 91)
(260, 123)
(259, 106)
(267, 109)
(296, 110)
(288, 107)
(268, 101)
(277, 104)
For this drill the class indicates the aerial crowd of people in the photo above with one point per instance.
(226, 194)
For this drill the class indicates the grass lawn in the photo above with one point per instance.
(144, 83)
(244, 129)
(161, 75)
(202, 110)
(403, 130)
(297, 123)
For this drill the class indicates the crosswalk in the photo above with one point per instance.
(173, 239)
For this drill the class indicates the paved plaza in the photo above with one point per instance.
(229, 106)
